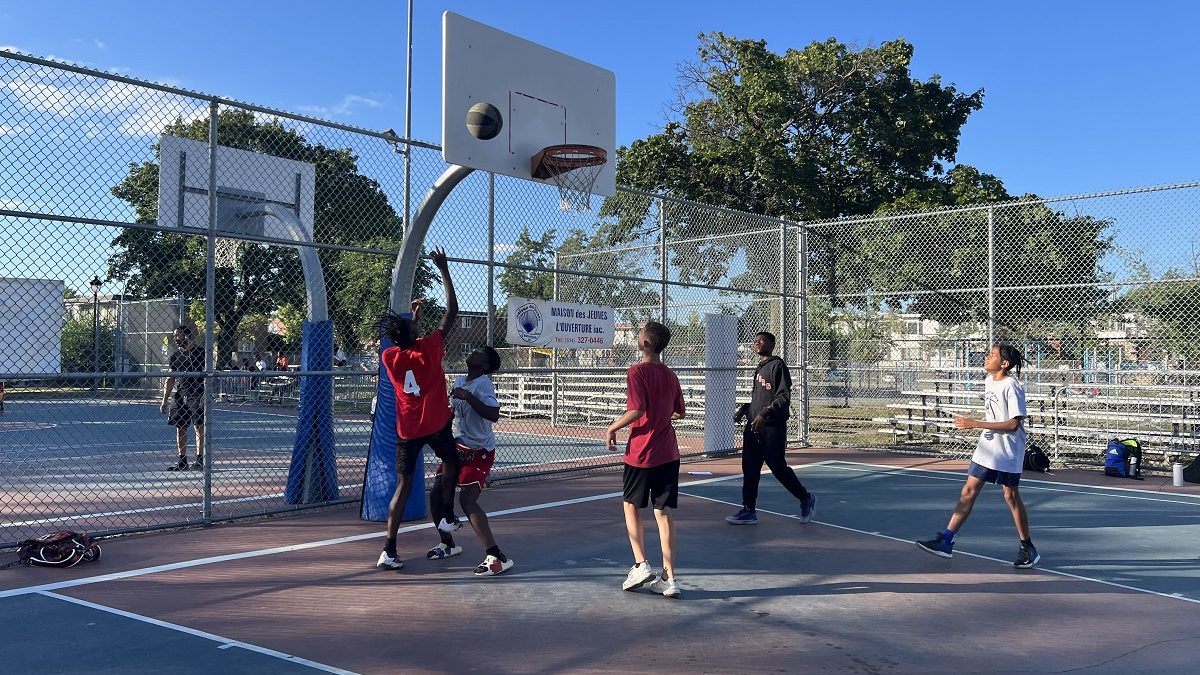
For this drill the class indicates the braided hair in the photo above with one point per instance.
(397, 328)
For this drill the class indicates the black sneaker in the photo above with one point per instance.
(938, 546)
(1027, 557)
(197, 465)
(181, 465)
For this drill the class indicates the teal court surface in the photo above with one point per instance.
(846, 593)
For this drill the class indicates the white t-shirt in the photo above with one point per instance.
(999, 450)
(470, 428)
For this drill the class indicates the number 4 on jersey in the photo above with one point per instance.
(410, 384)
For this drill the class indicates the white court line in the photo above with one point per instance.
(1096, 490)
(318, 544)
(1048, 570)
(225, 643)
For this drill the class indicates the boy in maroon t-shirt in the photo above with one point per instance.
(653, 400)
(423, 413)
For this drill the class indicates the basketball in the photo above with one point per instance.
(484, 121)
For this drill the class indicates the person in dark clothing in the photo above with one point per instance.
(765, 436)
(183, 396)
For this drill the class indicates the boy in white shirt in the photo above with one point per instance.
(999, 455)
(475, 409)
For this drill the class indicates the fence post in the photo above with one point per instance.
(554, 358)
(209, 305)
(802, 327)
(662, 255)
(784, 352)
(491, 289)
(991, 235)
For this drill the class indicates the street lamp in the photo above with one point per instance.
(95, 285)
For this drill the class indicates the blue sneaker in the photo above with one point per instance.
(743, 517)
(938, 546)
(808, 508)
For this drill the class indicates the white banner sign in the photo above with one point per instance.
(548, 323)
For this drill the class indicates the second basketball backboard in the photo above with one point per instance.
(544, 98)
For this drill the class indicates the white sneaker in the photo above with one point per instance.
(668, 587)
(638, 576)
(387, 562)
(449, 526)
(491, 566)
(442, 551)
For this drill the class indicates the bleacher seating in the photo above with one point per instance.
(1072, 420)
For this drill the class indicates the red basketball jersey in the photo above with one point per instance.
(422, 405)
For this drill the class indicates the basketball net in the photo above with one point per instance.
(225, 253)
(574, 169)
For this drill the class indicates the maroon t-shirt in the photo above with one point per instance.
(654, 389)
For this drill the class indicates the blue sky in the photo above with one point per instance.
(1079, 97)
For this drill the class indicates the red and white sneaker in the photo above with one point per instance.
(491, 566)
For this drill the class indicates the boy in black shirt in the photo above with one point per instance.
(186, 407)
(765, 435)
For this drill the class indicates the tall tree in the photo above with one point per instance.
(827, 132)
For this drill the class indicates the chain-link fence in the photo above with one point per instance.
(1100, 292)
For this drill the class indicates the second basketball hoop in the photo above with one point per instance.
(574, 169)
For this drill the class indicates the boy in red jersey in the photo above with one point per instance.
(423, 413)
(653, 399)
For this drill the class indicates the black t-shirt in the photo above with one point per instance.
(190, 361)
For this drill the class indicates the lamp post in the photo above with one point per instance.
(95, 285)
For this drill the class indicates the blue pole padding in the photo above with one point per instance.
(379, 482)
(312, 477)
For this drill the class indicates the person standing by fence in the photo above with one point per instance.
(764, 438)
(183, 396)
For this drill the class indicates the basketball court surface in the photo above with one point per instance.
(1117, 590)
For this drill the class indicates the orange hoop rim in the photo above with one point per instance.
(554, 160)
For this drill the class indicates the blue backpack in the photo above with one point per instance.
(1123, 459)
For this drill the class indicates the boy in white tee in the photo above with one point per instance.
(475, 409)
(999, 455)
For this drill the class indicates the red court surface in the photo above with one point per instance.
(780, 596)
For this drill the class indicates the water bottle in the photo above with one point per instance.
(1177, 474)
(1133, 466)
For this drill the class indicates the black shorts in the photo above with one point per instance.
(658, 485)
(186, 411)
(442, 443)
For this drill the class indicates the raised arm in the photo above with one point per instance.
(451, 315)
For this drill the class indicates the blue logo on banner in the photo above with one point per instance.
(529, 322)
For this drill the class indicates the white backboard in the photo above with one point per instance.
(545, 98)
(244, 178)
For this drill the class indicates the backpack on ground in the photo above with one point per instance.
(1036, 459)
(57, 549)
(1123, 458)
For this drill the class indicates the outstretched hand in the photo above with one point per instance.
(415, 306)
(439, 259)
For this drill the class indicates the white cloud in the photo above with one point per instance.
(99, 44)
(347, 106)
(9, 130)
(131, 110)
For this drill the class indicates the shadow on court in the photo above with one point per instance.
(848, 592)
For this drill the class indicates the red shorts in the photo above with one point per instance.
(474, 465)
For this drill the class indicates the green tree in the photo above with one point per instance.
(351, 209)
(826, 132)
(77, 350)
(530, 251)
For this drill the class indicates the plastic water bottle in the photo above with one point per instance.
(1177, 474)
(1133, 466)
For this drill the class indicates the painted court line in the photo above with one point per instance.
(169, 567)
(1097, 490)
(225, 643)
(1007, 563)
